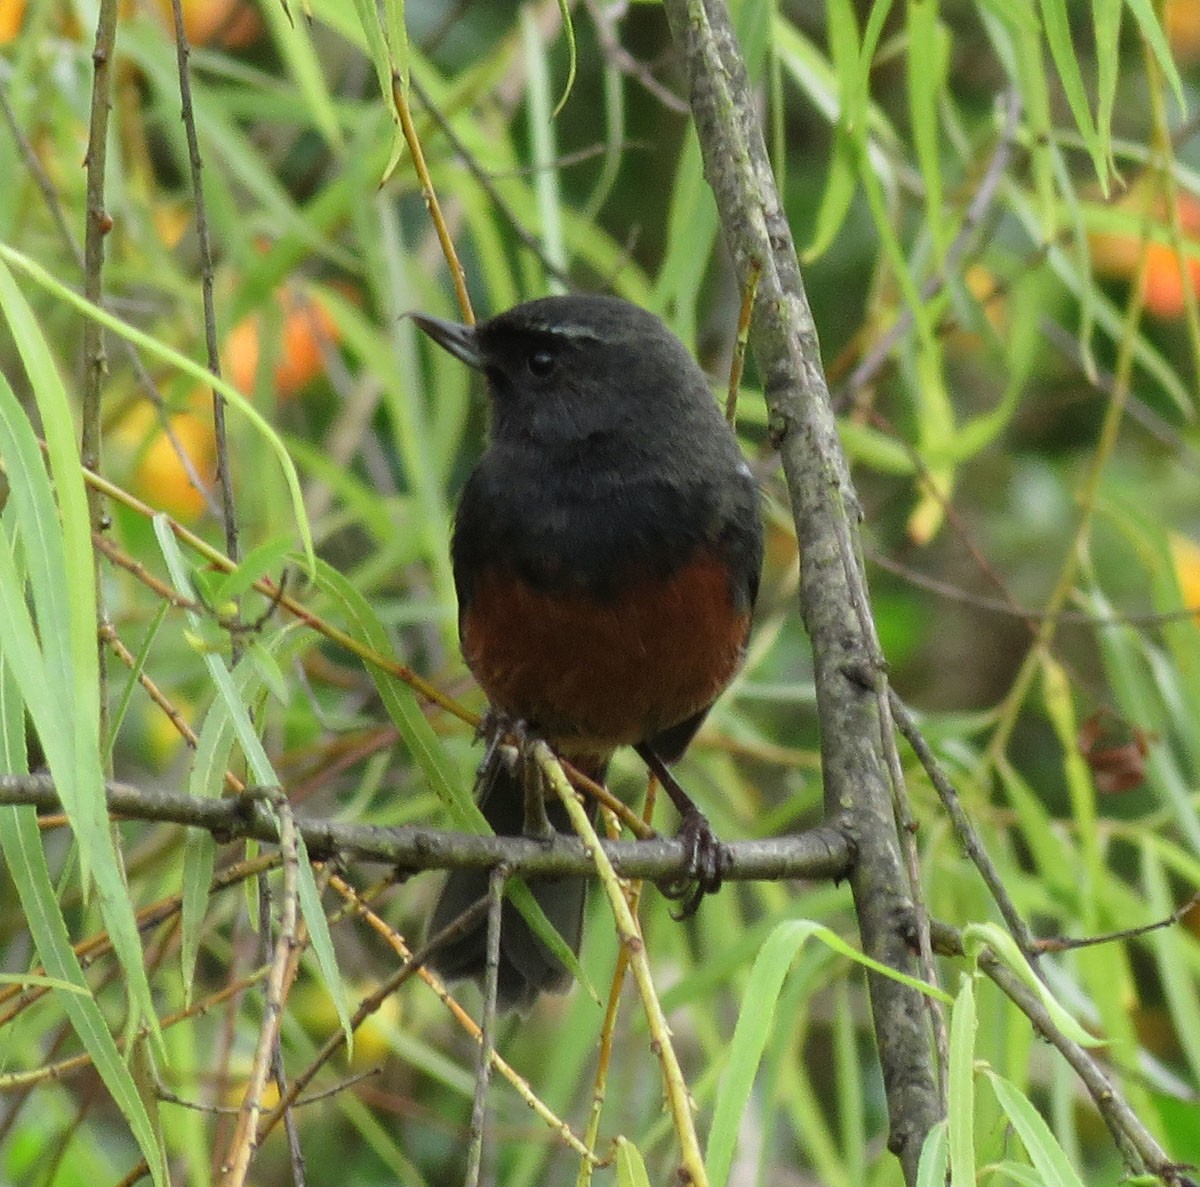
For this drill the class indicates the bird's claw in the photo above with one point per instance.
(706, 862)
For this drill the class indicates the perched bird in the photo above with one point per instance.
(606, 551)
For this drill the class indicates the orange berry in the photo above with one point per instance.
(1163, 288)
(161, 478)
(223, 24)
(12, 13)
(307, 329)
(1167, 276)
(1181, 20)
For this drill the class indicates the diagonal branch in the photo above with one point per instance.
(847, 661)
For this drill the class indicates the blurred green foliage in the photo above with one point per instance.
(1011, 191)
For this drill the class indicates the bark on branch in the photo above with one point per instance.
(819, 853)
(833, 595)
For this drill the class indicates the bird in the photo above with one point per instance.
(606, 554)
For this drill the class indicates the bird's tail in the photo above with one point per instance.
(527, 967)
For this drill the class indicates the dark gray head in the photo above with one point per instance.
(561, 370)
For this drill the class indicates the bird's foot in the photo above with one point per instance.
(707, 861)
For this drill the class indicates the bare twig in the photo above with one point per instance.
(282, 972)
(518, 1082)
(196, 165)
(964, 830)
(457, 275)
(691, 1170)
(819, 853)
(487, 183)
(605, 19)
(98, 225)
(487, 1026)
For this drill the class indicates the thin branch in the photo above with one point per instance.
(457, 275)
(487, 1026)
(337, 1038)
(1138, 1146)
(282, 973)
(605, 20)
(518, 1082)
(989, 184)
(964, 830)
(487, 183)
(956, 593)
(826, 512)
(97, 226)
(196, 165)
(820, 853)
(166, 1096)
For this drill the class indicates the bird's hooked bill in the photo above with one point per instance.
(459, 339)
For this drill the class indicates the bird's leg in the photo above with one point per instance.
(497, 728)
(706, 858)
(537, 823)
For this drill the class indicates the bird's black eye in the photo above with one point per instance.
(540, 363)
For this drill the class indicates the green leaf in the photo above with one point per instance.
(55, 660)
(1057, 28)
(1004, 947)
(961, 1082)
(1151, 28)
(631, 1170)
(934, 1160)
(266, 560)
(841, 184)
(564, 12)
(1175, 950)
(1047, 1156)
(690, 238)
(145, 342)
(25, 861)
(755, 1022)
(928, 56)
(543, 142)
(263, 773)
(1106, 22)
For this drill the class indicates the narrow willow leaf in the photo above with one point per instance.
(755, 1022)
(631, 1170)
(928, 53)
(1106, 22)
(1057, 27)
(961, 1086)
(263, 773)
(55, 660)
(150, 345)
(1151, 28)
(934, 1160)
(1047, 1156)
(975, 935)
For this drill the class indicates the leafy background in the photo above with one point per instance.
(1027, 445)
